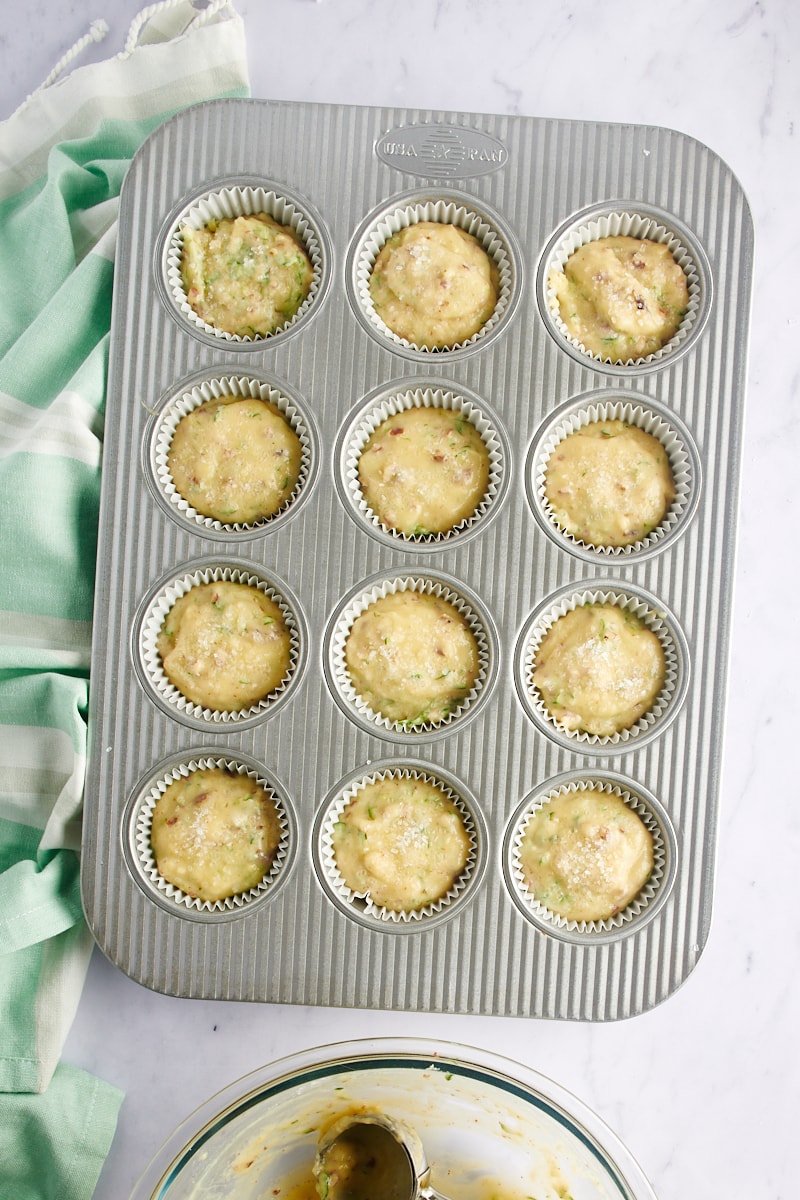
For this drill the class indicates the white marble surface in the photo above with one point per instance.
(704, 1090)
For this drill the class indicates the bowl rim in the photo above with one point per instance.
(305, 1065)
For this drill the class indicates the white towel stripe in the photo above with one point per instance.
(69, 427)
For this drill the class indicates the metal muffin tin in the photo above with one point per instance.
(347, 176)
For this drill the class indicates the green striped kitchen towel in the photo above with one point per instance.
(63, 156)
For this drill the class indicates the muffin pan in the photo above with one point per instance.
(345, 178)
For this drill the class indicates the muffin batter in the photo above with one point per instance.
(402, 842)
(622, 298)
(364, 1163)
(245, 275)
(434, 285)
(598, 669)
(585, 855)
(235, 459)
(609, 483)
(214, 834)
(225, 645)
(412, 657)
(424, 470)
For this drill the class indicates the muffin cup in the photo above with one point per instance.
(192, 395)
(644, 906)
(236, 198)
(400, 397)
(139, 851)
(447, 209)
(360, 599)
(147, 659)
(643, 223)
(655, 616)
(634, 410)
(359, 906)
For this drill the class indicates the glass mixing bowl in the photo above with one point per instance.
(492, 1129)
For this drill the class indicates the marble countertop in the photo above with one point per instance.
(705, 1089)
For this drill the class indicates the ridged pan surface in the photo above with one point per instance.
(529, 186)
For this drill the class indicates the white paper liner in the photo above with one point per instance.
(626, 224)
(656, 623)
(361, 901)
(150, 658)
(647, 419)
(637, 905)
(446, 212)
(202, 393)
(362, 601)
(143, 818)
(402, 401)
(231, 202)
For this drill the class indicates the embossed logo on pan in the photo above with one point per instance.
(441, 151)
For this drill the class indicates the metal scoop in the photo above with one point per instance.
(370, 1156)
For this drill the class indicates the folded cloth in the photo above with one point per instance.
(63, 156)
(67, 1132)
